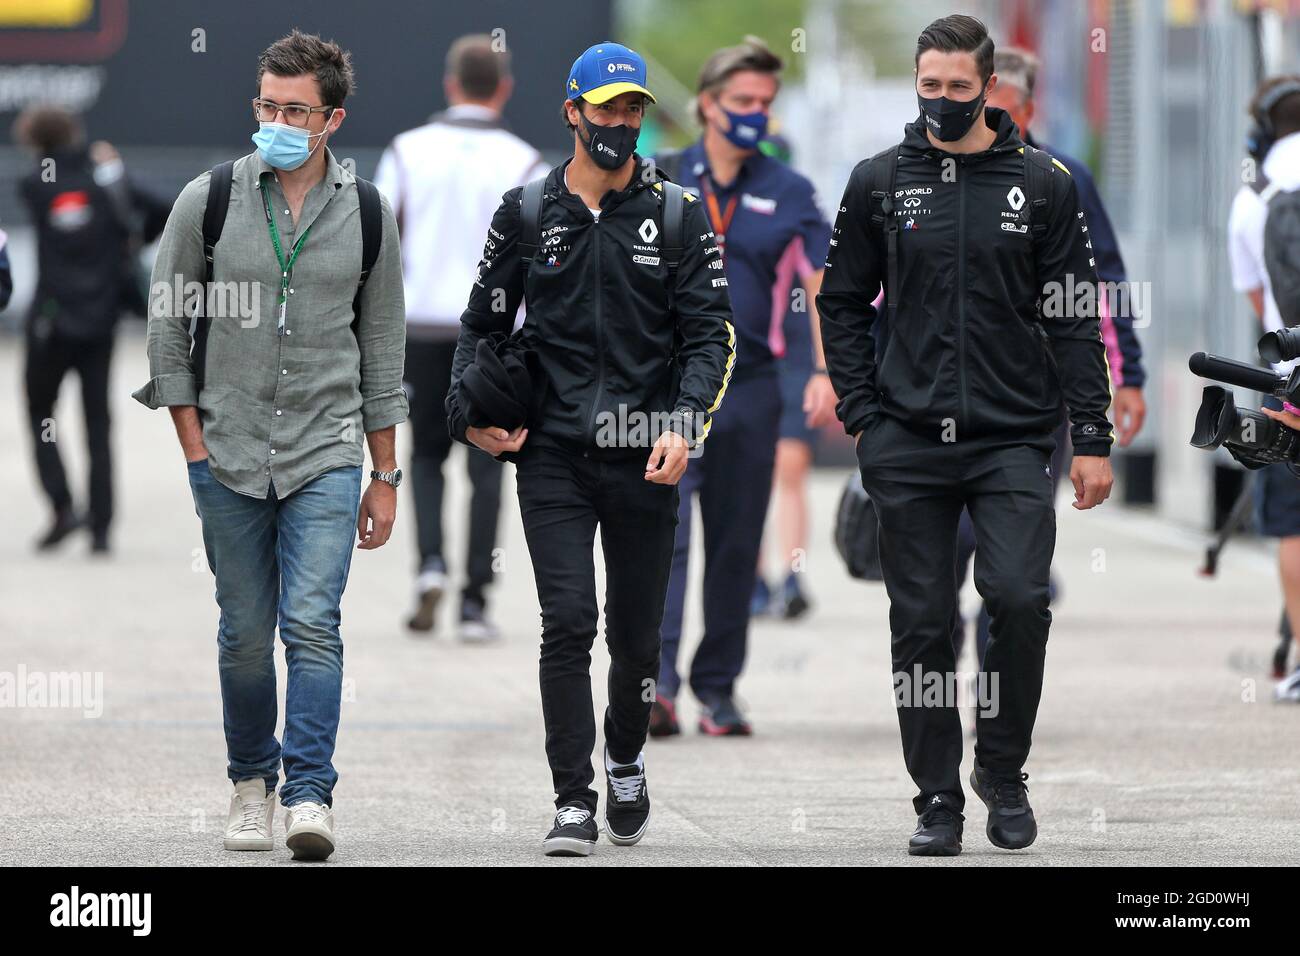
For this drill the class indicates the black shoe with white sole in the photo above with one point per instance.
(574, 833)
(938, 830)
(627, 801)
(1011, 823)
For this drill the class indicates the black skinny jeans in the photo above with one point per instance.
(563, 497)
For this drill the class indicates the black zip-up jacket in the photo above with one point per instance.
(600, 318)
(970, 347)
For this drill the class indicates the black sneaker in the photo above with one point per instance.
(794, 603)
(574, 833)
(938, 830)
(1011, 823)
(722, 718)
(66, 521)
(475, 628)
(627, 802)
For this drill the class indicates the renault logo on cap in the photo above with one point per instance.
(1015, 198)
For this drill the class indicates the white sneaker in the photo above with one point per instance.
(310, 827)
(429, 589)
(251, 811)
(1287, 690)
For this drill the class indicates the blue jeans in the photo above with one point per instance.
(280, 561)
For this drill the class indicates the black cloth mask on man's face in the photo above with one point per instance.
(610, 146)
(949, 120)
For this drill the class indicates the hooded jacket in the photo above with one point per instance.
(972, 348)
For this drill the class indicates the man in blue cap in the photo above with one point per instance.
(628, 314)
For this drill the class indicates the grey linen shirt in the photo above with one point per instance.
(280, 408)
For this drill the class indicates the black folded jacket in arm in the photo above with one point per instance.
(502, 387)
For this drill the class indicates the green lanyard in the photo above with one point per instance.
(286, 268)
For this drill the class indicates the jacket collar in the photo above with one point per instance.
(557, 188)
(696, 159)
(334, 172)
(1006, 140)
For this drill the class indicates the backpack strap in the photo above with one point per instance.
(530, 221)
(214, 221)
(884, 177)
(372, 237)
(1038, 166)
(674, 227)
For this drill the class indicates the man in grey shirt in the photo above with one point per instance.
(270, 414)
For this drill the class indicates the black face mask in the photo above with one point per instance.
(610, 146)
(949, 120)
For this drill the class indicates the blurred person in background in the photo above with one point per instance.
(792, 344)
(445, 179)
(1275, 148)
(270, 408)
(6, 276)
(758, 208)
(88, 218)
(1017, 71)
(957, 409)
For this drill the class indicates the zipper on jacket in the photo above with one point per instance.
(963, 413)
(600, 349)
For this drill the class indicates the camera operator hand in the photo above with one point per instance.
(1289, 419)
(1092, 480)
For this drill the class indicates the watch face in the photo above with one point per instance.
(397, 477)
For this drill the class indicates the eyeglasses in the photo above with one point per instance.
(295, 114)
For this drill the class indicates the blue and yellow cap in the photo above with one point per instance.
(604, 71)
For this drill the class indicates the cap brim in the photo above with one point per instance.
(603, 94)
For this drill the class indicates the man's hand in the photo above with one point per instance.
(819, 400)
(1092, 480)
(1289, 419)
(376, 516)
(189, 431)
(668, 458)
(494, 440)
(1130, 411)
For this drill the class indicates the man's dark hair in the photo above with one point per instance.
(751, 54)
(959, 33)
(47, 129)
(301, 53)
(1285, 114)
(579, 102)
(476, 66)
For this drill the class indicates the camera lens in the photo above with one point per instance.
(1280, 346)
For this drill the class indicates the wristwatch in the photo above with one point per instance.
(393, 478)
(683, 422)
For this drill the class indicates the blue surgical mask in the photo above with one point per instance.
(747, 129)
(283, 146)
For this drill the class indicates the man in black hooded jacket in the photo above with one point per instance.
(952, 396)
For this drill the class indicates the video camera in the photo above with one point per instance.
(1251, 437)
